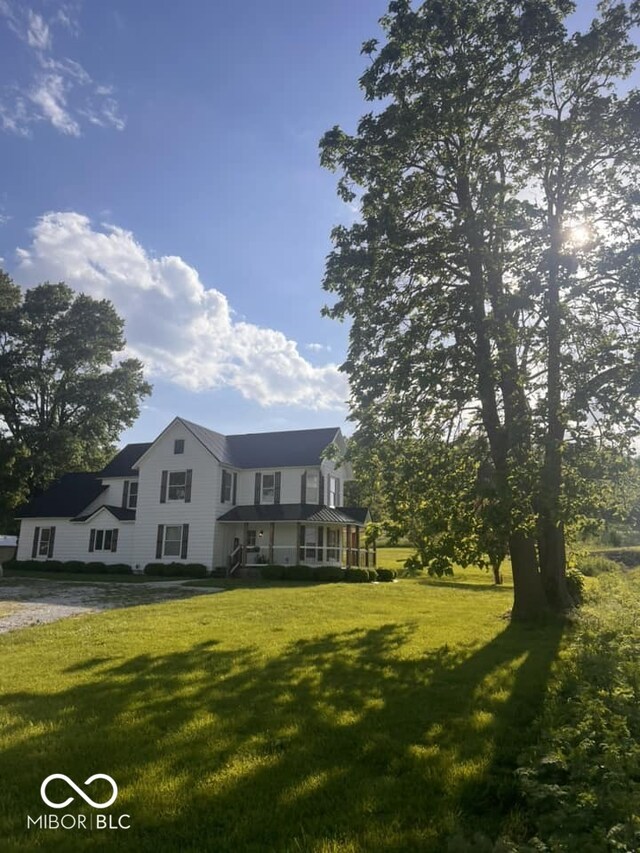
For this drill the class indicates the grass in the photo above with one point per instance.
(282, 717)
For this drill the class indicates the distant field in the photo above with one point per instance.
(393, 558)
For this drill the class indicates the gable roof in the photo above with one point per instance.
(291, 448)
(65, 498)
(120, 465)
(283, 449)
(119, 512)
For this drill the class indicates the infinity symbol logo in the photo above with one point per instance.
(72, 784)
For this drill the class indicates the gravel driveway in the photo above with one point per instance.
(34, 601)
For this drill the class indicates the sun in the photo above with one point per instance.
(577, 234)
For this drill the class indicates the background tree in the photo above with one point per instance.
(459, 278)
(63, 399)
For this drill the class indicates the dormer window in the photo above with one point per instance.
(178, 445)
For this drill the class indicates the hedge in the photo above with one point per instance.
(297, 573)
(69, 567)
(386, 575)
(328, 574)
(272, 573)
(354, 575)
(171, 570)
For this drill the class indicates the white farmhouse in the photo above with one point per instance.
(196, 496)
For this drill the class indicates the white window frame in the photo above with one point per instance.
(180, 487)
(103, 539)
(166, 540)
(268, 493)
(178, 446)
(132, 504)
(44, 552)
(333, 496)
(333, 543)
(227, 486)
(313, 491)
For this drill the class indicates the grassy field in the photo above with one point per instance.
(286, 718)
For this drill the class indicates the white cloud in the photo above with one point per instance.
(319, 347)
(182, 331)
(60, 91)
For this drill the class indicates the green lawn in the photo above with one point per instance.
(338, 717)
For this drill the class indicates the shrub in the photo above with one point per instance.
(73, 566)
(272, 573)
(354, 575)
(120, 569)
(413, 565)
(219, 572)
(96, 568)
(386, 575)
(297, 573)
(575, 585)
(176, 570)
(373, 574)
(592, 565)
(157, 569)
(328, 574)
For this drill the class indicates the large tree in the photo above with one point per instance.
(474, 309)
(64, 399)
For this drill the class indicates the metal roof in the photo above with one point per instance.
(118, 512)
(311, 513)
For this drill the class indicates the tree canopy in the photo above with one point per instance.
(64, 399)
(492, 277)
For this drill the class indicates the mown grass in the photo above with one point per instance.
(289, 718)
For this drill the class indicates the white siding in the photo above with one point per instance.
(199, 514)
(72, 539)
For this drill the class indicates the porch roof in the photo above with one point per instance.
(311, 513)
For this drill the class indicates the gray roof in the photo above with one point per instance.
(282, 449)
(119, 512)
(310, 513)
(120, 465)
(65, 498)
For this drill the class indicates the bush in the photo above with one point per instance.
(413, 565)
(386, 575)
(575, 585)
(96, 568)
(176, 570)
(592, 565)
(373, 574)
(354, 575)
(73, 566)
(328, 574)
(272, 573)
(120, 569)
(297, 573)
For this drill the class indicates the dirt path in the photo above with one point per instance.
(32, 601)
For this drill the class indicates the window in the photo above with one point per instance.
(103, 540)
(334, 492)
(45, 539)
(132, 501)
(268, 488)
(172, 540)
(225, 493)
(313, 487)
(177, 485)
(178, 445)
(333, 544)
(251, 539)
(310, 543)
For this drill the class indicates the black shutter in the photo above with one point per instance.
(52, 539)
(125, 494)
(187, 487)
(185, 541)
(301, 544)
(258, 487)
(163, 488)
(159, 541)
(222, 485)
(320, 555)
(92, 539)
(321, 488)
(235, 487)
(303, 488)
(277, 480)
(114, 540)
(36, 537)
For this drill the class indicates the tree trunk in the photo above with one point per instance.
(529, 602)
(551, 529)
(497, 574)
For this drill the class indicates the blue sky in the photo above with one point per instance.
(165, 155)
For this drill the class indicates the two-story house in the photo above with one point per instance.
(194, 495)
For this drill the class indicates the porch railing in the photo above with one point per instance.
(285, 555)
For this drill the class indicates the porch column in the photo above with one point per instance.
(272, 536)
(359, 561)
(298, 551)
(245, 541)
(348, 546)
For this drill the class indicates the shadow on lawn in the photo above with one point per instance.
(342, 740)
